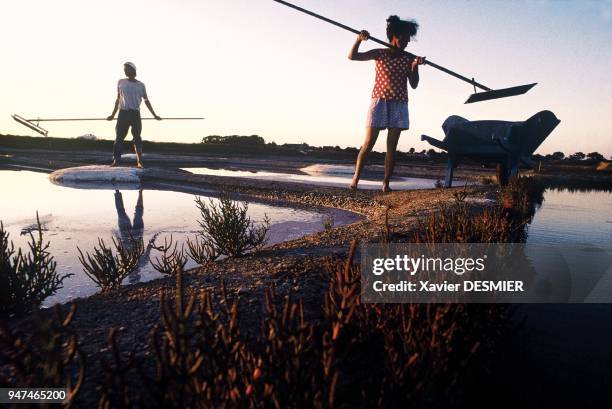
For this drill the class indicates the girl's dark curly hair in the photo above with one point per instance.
(397, 27)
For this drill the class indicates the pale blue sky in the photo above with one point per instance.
(256, 67)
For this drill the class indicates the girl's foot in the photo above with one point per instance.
(114, 164)
(353, 187)
(139, 165)
(386, 189)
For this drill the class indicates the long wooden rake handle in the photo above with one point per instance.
(33, 123)
(376, 40)
(96, 119)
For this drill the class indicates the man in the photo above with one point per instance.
(130, 93)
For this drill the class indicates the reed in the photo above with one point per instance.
(177, 360)
(50, 356)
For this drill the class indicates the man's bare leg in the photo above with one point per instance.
(368, 144)
(138, 151)
(392, 140)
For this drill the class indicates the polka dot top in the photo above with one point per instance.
(391, 76)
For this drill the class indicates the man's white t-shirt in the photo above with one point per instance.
(131, 94)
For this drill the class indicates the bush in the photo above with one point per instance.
(108, 270)
(26, 279)
(228, 229)
(522, 196)
(462, 223)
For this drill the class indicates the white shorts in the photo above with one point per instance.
(388, 114)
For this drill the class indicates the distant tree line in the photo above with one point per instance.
(258, 140)
(427, 154)
(578, 156)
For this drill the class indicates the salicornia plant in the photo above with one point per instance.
(228, 229)
(26, 279)
(171, 259)
(108, 269)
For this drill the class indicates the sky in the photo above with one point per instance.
(257, 67)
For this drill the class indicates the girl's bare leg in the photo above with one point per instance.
(392, 140)
(368, 144)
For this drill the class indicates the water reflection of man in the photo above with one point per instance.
(131, 230)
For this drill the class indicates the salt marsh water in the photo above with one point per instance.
(573, 217)
(322, 175)
(562, 353)
(77, 217)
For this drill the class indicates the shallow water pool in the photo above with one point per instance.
(322, 175)
(568, 216)
(77, 217)
(561, 355)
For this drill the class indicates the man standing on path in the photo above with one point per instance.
(130, 93)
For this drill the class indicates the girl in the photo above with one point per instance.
(389, 107)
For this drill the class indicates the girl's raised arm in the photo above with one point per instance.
(413, 75)
(355, 55)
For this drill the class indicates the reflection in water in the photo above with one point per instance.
(584, 186)
(130, 233)
(331, 175)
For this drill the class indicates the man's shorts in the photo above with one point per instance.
(125, 121)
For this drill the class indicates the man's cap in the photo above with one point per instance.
(131, 64)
